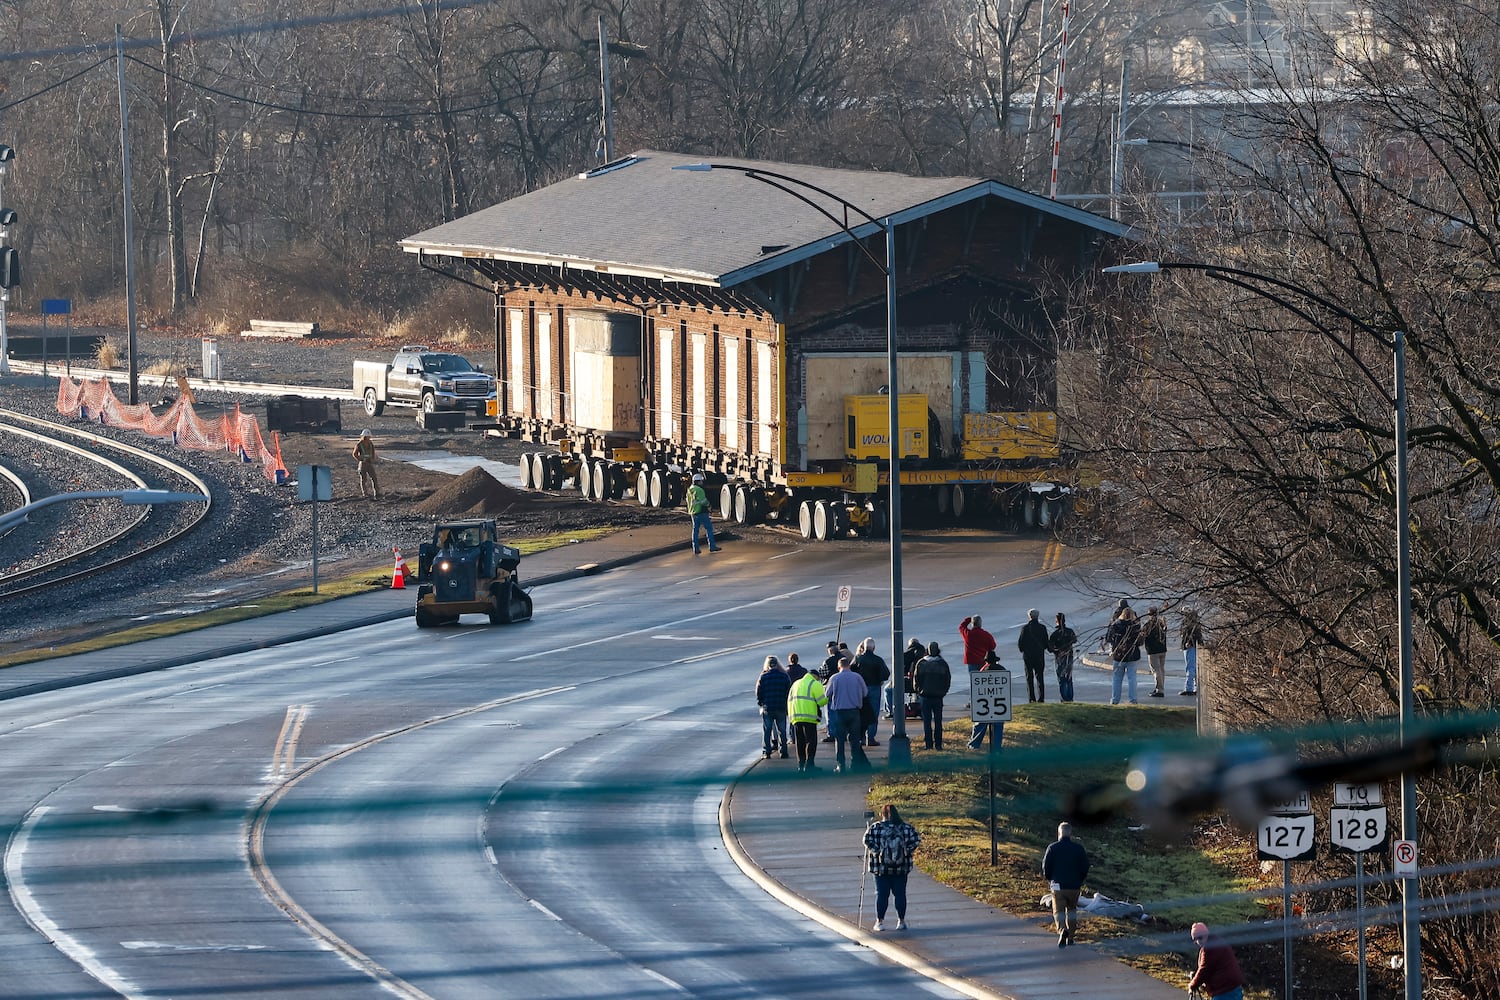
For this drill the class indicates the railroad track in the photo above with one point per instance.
(99, 538)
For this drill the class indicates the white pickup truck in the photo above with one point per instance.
(422, 377)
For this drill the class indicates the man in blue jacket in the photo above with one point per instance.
(771, 689)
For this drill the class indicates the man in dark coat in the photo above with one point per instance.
(873, 669)
(1033, 647)
(931, 681)
(1065, 866)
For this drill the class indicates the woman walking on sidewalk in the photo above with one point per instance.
(889, 846)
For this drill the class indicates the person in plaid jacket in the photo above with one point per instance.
(889, 846)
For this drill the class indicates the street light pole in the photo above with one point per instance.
(7, 154)
(1250, 281)
(898, 750)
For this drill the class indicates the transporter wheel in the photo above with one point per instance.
(538, 471)
(880, 521)
(1047, 512)
(960, 502)
(658, 488)
(943, 501)
(822, 521)
(726, 503)
(741, 512)
(643, 486)
(838, 520)
(757, 504)
(528, 474)
(373, 406)
(1029, 507)
(805, 519)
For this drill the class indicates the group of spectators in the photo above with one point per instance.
(847, 685)
(1128, 634)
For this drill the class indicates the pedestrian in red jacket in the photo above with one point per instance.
(1218, 972)
(977, 642)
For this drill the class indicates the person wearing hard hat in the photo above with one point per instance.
(364, 456)
(697, 505)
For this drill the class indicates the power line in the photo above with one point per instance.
(59, 83)
(241, 30)
(271, 105)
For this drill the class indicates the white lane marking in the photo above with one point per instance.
(285, 754)
(685, 638)
(544, 910)
(550, 754)
(26, 902)
(575, 607)
(489, 854)
(664, 980)
(658, 715)
(115, 809)
(168, 946)
(681, 621)
(794, 552)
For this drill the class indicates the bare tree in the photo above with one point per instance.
(1246, 436)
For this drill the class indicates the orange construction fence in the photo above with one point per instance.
(236, 433)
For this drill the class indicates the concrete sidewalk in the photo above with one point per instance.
(553, 566)
(801, 839)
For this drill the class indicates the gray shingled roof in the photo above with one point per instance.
(644, 218)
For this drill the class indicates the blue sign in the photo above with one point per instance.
(56, 307)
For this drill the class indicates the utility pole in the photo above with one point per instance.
(130, 355)
(606, 125)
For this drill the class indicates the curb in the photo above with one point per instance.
(883, 946)
(114, 673)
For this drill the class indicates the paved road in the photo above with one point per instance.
(474, 812)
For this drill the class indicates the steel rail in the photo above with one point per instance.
(19, 485)
(54, 431)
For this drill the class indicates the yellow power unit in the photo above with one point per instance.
(1018, 435)
(867, 421)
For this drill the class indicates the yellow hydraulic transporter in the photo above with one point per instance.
(466, 570)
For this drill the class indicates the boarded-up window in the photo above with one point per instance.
(732, 415)
(518, 360)
(765, 410)
(700, 388)
(664, 382)
(544, 387)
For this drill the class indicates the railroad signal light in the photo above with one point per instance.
(10, 267)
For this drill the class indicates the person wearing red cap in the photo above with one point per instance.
(1218, 973)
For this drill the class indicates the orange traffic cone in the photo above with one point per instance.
(398, 578)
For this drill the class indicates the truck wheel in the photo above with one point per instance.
(1046, 510)
(756, 504)
(943, 500)
(643, 486)
(528, 477)
(838, 520)
(538, 471)
(373, 406)
(805, 519)
(429, 403)
(586, 480)
(726, 502)
(960, 502)
(601, 477)
(822, 521)
(658, 488)
(1029, 509)
(741, 505)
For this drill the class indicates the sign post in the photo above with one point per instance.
(841, 605)
(989, 703)
(1286, 835)
(1358, 825)
(314, 483)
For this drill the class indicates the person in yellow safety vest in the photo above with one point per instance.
(804, 705)
(697, 505)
